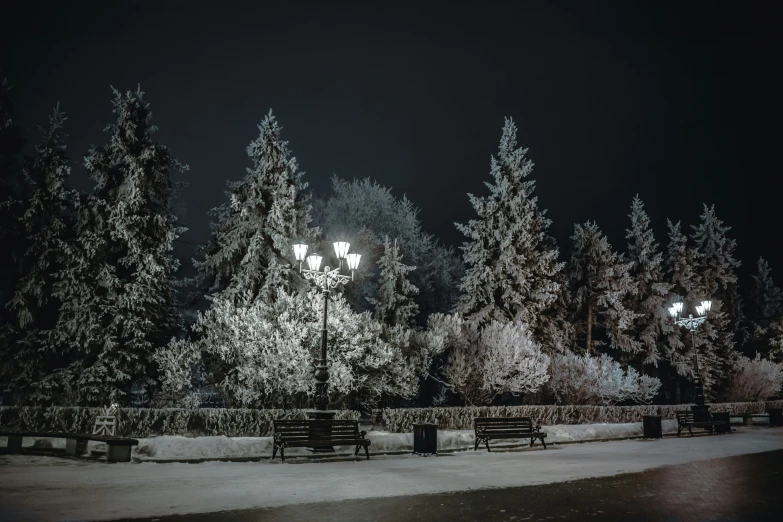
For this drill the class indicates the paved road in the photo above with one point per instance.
(743, 488)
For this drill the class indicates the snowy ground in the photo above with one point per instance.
(51, 488)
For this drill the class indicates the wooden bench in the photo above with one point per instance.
(494, 428)
(318, 433)
(689, 419)
(119, 448)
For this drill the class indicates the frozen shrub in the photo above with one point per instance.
(755, 380)
(584, 379)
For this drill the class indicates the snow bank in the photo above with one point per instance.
(173, 447)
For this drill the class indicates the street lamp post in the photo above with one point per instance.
(326, 281)
(691, 324)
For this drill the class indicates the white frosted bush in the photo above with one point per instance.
(585, 379)
(755, 379)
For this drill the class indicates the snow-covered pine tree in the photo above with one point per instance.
(46, 222)
(267, 212)
(649, 299)
(13, 193)
(511, 263)
(681, 275)
(765, 314)
(117, 292)
(395, 305)
(600, 282)
(716, 266)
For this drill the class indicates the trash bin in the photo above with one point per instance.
(651, 425)
(725, 417)
(425, 439)
(775, 417)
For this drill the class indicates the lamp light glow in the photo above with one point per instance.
(341, 249)
(314, 262)
(700, 310)
(672, 311)
(678, 307)
(706, 305)
(353, 261)
(300, 251)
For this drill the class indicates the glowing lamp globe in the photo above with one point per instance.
(314, 262)
(706, 305)
(353, 261)
(341, 249)
(300, 251)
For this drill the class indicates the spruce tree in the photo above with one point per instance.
(13, 194)
(395, 305)
(267, 212)
(511, 262)
(716, 264)
(118, 293)
(46, 222)
(682, 277)
(766, 314)
(600, 283)
(649, 299)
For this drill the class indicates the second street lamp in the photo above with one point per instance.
(691, 324)
(326, 281)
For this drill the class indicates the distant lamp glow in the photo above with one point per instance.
(706, 305)
(678, 307)
(314, 262)
(300, 251)
(353, 261)
(341, 249)
(672, 311)
(700, 310)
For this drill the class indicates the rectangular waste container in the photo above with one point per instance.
(425, 439)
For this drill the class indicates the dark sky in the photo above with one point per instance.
(679, 102)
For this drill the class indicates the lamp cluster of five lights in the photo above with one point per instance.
(676, 309)
(314, 260)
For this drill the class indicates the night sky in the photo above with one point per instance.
(679, 102)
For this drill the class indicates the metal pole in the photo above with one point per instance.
(322, 372)
(697, 374)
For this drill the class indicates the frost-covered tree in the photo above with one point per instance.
(117, 290)
(755, 380)
(267, 212)
(511, 262)
(586, 379)
(600, 283)
(765, 313)
(13, 194)
(34, 308)
(716, 264)
(681, 275)
(364, 213)
(395, 303)
(267, 351)
(487, 361)
(648, 301)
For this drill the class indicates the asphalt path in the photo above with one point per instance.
(742, 488)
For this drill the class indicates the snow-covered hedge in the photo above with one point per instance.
(147, 422)
(461, 418)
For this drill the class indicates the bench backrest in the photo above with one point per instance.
(309, 429)
(504, 424)
(684, 416)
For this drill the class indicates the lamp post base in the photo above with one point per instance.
(321, 415)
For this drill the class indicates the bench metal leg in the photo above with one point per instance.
(274, 451)
(542, 442)
(367, 451)
(282, 453)
(75, 447)
(532, 440)
(486, 441)
(15, 443)
(118, 453)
